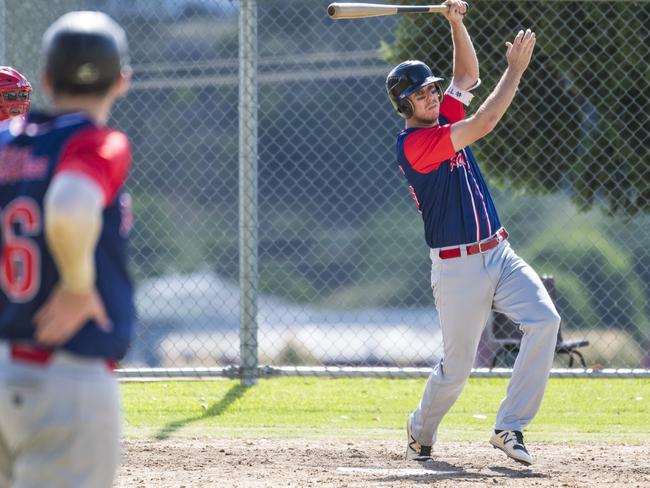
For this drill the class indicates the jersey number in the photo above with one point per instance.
(20, 277)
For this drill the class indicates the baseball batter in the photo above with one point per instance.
(474, 269)
(66, 304)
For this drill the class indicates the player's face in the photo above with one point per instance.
(426, 103)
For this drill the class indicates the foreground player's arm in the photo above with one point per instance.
(73, 219)
(465, 72)
(92, 170)
(485, 119)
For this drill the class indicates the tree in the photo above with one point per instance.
(580, 120)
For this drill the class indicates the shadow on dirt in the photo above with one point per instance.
(441, 470)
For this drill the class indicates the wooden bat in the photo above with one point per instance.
(362, 10)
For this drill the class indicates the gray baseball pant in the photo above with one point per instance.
(59, 423)
(465, 290)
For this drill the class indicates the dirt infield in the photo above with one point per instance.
(280, 463)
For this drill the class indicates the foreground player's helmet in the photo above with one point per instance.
(84, 53)
(406, 79)
(15, 93)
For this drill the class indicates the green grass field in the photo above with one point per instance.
(574, 410)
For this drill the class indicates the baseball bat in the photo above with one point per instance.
(362, 10)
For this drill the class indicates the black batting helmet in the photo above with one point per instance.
(406, 79)
(84, 53)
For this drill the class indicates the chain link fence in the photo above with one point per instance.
(340, 275)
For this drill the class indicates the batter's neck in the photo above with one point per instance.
(414, 123)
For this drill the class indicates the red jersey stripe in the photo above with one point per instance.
(102, 154)
(426, 149)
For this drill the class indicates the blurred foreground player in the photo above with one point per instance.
(66, 301)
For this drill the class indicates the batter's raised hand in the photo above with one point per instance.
(520, 50)
(457, 10)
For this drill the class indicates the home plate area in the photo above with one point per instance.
(396, 472)
(364, 463)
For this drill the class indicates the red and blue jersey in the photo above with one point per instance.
(446, 185)
(31, 153)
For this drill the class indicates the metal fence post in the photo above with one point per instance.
(3, 33)
(248, 190)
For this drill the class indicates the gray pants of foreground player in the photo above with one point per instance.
(59, 423)
(466, 289)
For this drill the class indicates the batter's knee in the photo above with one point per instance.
(456, 372)
(544, 319)
(553, 319)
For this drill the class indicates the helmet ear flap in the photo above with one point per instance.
(405, 108)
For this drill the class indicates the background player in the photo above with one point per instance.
(473, 267)
(66, 305)
(15, 93)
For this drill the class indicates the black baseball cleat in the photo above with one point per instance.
(512, 443)
(414, 450)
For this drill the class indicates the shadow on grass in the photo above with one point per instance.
(235, 393)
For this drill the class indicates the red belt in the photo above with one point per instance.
(28, 353)
(486, 245)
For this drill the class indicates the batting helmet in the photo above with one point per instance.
(406, 79)
(84, 53)
(15, 93)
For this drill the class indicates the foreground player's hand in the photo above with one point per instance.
(520, 50)
(457, 10)
(64, 313)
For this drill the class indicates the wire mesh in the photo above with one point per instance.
(343, 270)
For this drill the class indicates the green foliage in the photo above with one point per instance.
(393, 263)
(604, 55)
(301, 260)
(156, 246)
(573, 300)
(282, 279)
(595, 279)
(173, 235)
(632, 234)
(580, 115)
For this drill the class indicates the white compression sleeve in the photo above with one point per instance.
(73, 219)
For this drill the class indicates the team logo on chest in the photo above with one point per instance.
(458, 161)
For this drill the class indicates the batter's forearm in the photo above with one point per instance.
(485, 119)
(492, 110)
(73, 219)
(466, 71)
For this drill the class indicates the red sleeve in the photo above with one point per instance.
(104, 155)
(453, 110)
(427, 149)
